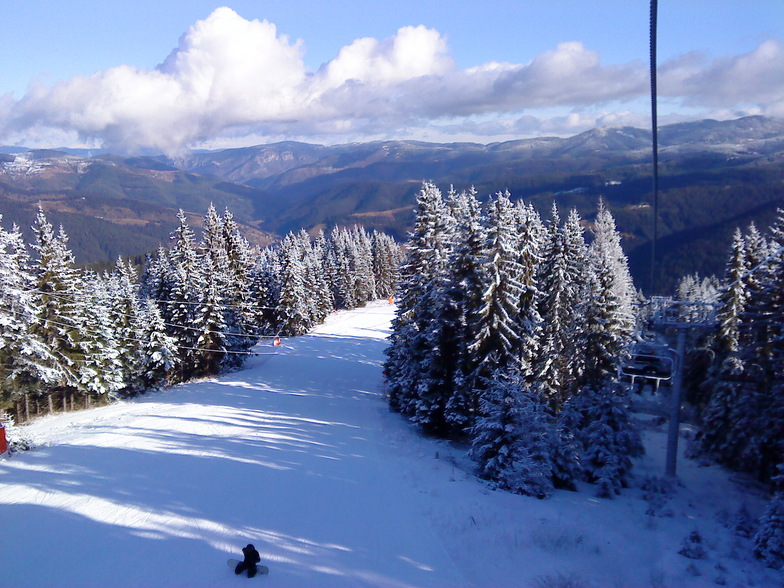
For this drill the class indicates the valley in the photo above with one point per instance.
(714, 177)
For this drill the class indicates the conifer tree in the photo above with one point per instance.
(601, 423)
(210, 325)
(606, 246)
(733, 298)
(293, 316)
(386, 264)
(126, 319)
(530, 234)
(101, 372)
(24, 358)
(499, 337)
(159, 351)
(769, 538)
(265, 286)
(185, 292)
(427, 252)
(463, 290)
(562, 277)
(56, 322)
(512, 437)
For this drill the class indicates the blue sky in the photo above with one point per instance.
(167, 76)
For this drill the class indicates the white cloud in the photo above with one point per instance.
(231, 78)
(754, 79)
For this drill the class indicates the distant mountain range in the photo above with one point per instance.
(715, 175)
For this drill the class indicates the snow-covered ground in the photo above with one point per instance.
(299, 455)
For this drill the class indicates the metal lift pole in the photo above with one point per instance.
(673, 431)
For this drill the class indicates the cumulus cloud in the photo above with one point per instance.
(753, 79)
(231, 78)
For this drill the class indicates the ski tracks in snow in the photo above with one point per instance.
(291, 454)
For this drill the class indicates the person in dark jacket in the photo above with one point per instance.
(252, 557)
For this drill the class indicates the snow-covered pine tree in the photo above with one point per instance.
(513, 436)
(56, 322)
(464, 288)
(265, 288)
(362, 266)
(225, 255)
(769, 538)
(185, 293)
(608, 439)
(733, 298)
(320, 297)
(386, 264)
(341, 254)
(562, 278)
(241, 259)
(24, 358)
(318, 260)
(439, 345)
(530, 235)
(606, 245)
(101, 372)
(126, 319)
(210, 324)
(293, 312)
(159, 351)
(498, 330)
(427, 251)
(601, 339)
(607, 307)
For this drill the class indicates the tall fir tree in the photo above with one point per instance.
(562, 276)
(56, 323)
(185, 292)
(24, 357)
(427, 252)
(463, 290)
(499, 337)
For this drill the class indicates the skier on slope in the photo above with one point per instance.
(252, 557)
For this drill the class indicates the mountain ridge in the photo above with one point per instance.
(274, 188)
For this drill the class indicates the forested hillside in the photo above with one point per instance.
(512, 336)
(715, 175)
(71, 337)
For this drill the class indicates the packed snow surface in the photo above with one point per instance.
(299, 455)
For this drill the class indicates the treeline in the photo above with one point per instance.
(71, 337)
(742, 393)
(508, 333)
(738, 392)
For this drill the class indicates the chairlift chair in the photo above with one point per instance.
(652, 362)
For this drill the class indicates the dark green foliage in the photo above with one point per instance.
(607, 438)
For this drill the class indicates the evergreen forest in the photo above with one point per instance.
(72, 337)
(511, 333)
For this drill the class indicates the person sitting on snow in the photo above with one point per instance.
(252, 557)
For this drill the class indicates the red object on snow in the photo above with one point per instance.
(276, 341)
(3, 442)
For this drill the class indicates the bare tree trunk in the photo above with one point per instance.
(51, 403)
(65, 400)
(27, 406)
